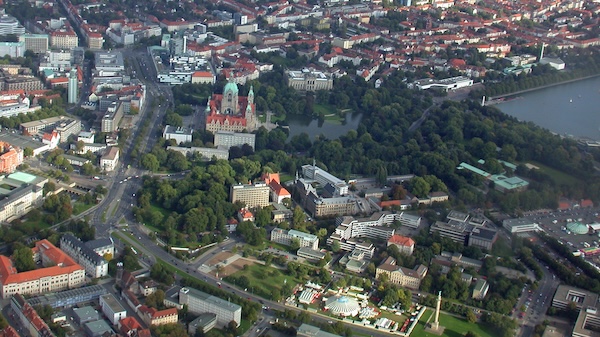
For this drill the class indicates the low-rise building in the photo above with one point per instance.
(203, 323)
(287, 237)
(481, 289)
(588, 319)
(112, 309)
(29, 318)
(309, 80)
(404, 244)
(152, 316)
(404, 277)
(520, 225)
(25, 193)
(178, 133)
(109, 161)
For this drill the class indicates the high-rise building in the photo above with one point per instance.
(252, 195)
(37, 43)
(73, 86)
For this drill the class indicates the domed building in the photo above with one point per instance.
(578, 228)
(342, 306)
(231, 112)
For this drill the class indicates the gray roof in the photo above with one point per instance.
(84, 250)
(99, 243)
(216, 301)
(98, 328)
(86, 313)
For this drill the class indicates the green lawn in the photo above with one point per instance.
(32, 226)
(455, 327)
(79, 207)
(264, 279)
(324, 109)
(559, 177)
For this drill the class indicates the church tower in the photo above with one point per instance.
(229, 104)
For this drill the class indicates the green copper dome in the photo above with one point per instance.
(231, 86)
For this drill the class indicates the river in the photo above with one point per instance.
(572, 108)
(299, 124)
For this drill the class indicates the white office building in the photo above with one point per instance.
(228, 139)
(180, 134)
(112, 309)
(286, 237)
(199, 302)
(312, 172)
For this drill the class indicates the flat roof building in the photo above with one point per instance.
(588, 320)
(179, 133)
(287, 237)
(199, 302)
(228, 139)
(112, 309)
(252, 195)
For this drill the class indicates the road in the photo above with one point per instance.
(540, 300)
(123, 182)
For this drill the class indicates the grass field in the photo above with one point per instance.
(264, 279)
(32, 226)
(455, 327)
(79, 207)
(558, 176)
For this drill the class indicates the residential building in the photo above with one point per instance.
(151, 316)
(404, 277)
(58, 272)
(12, 83)
(228, 139)
(231, 112)
(24, 194)
(481, 289)
(64, 39)
(37, 43)
(309, 80)
(112, 309)
(199, 302)
(73, 87)
(12, 49)
(287, 237)
(10, 157)
(112, 118)
(252, 195)
(95, 264)
(179, 133)
(109, 161)
(29, 318)
(280, 213)
(404, 244)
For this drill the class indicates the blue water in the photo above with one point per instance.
(572, 108)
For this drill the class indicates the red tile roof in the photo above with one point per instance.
(401, 240)
(63, 265)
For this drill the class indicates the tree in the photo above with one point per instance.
(23, 258)
(471, 317)
(150, 162)
(156, 299)
(28, 152)
(335, 246)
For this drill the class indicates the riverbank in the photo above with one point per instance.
(495, 98)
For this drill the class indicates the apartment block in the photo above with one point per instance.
(112, 118)
(151, 316)
(10, 157)
(109, 161)
(228, 139)
(252, 195)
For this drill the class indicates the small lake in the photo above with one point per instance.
(313, 127)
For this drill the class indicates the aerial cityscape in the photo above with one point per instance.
(308, 168)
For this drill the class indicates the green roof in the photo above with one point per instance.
(22, 177)
(230, 86)
(509, 183)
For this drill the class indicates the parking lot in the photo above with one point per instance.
(559, 224)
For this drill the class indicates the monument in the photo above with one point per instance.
(435, 327)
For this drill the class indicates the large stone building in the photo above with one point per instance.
(199, 302)
(95, 264)
(231, 112)
(404, 277)
(58, 272)
(21, 193)
(309, 80)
